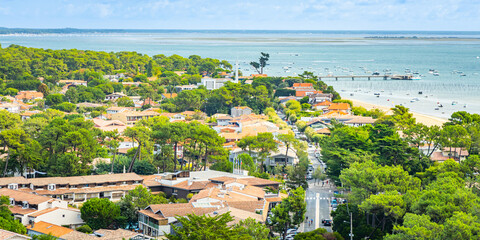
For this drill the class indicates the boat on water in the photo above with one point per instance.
(454, 103)
(416, 78)
(436, 74)
(437, 108)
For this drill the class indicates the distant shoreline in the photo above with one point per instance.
(421, 118)
(376, 34)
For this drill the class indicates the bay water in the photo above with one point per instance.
(453, 56)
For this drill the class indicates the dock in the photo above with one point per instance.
(368, 77)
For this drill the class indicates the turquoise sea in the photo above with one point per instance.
(455, 56)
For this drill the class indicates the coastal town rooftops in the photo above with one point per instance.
(118, 177)
(96, 189)
(23, 196)
(199, 176)
(18, 180)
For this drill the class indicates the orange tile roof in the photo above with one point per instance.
(339, 106)
(48, 228)
(250, 206)
(303, 85)
(20, 210)
(23, 196)
(169, 95)
(303, 93)
(194, 185)
(324, 103)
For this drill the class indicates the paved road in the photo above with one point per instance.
(318, 200)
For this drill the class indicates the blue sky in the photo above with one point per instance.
(244, 14)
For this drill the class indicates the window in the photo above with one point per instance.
(24, 204)
(13, 186)
(51, 187)
(12, 201)
(63, 215)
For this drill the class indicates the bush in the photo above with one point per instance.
(65, 107)
(85, 229)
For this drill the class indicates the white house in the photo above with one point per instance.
(214, 83)
(30, 208)
(278, 157)
(114, 96)
(185, 87)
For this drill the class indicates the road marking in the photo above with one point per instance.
(317, 211)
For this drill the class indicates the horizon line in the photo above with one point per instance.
(224, 29)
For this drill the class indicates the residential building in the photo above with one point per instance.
(339, 107)
(278, 157)
(239, 111)
(226, 194)
(114, 96)
(441, 155)
(28, 114)
(180, 184)
(319, 97)
(302, 86)
(28, 95)
(317, 123)
(109, 125)
(132, 117)
(180, 88)
(7, 235)
(114, 78)
(29, 208)
(214, 83)
(78, 189)
(322, 105)
(174, 116)
(10, 107)
(113, 110)
(359, 121)
(73, 82)
(306, 93)
(223, 119)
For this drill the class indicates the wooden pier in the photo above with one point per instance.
(368, 77)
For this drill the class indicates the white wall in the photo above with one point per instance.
(61, 217)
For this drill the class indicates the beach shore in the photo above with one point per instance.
(421, 118)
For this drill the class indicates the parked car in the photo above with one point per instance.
(327, 222)
(292, 231)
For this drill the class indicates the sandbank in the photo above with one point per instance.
(421, 118)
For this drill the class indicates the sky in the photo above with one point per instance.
(433, 15)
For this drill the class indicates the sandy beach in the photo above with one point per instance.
(421, 118)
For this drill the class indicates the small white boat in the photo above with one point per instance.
(416, 78)
(436, 74)
(454, 103)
